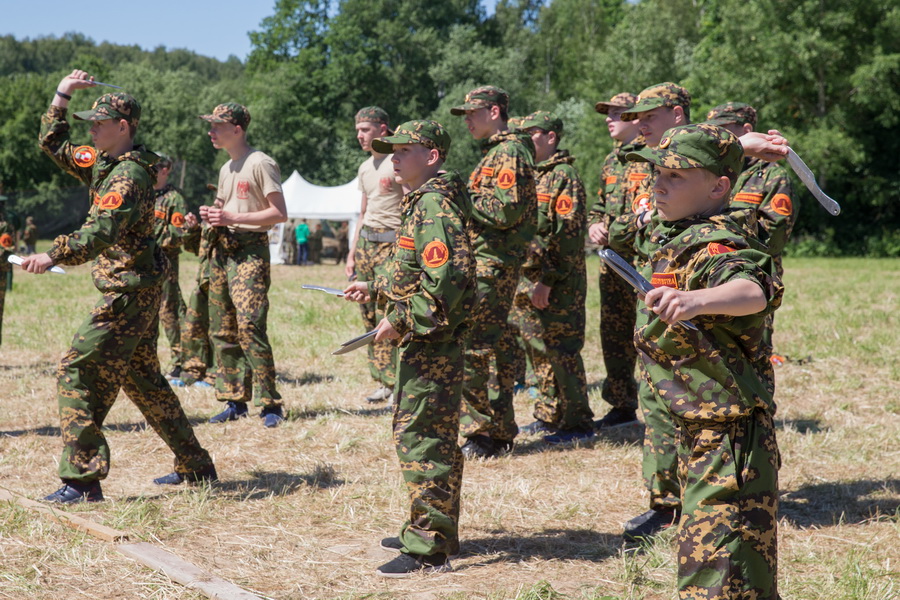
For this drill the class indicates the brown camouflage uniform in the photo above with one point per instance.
(116, 347)
(196, 348)
(169, 232)
(7, 247)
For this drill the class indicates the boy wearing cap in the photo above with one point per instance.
(115, 348)
(551, 295)
(618, 301)
(715, 382)
(504, 219)
(429, 287)
(169, 231)
(373, 240)
(249, 202)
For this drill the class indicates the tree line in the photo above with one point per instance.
(824, 72)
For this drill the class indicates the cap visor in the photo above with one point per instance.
(212, 119)
(721, 122)
(90, 115)
(382, 146)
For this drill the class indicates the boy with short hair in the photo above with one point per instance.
(429, 288)
(716, 382)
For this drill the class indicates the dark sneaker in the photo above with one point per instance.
(617, 417)
(481, 446)
(406, 565)
(382, 394)
(393, 544)
(568, 436)
(233, 411)
(650, 523)
(175, 373)
(271, 416)
(538, 427)
(176, 478)
(73, 493)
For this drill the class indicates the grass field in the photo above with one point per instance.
(300, 509)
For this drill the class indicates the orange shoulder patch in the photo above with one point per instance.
(748, 197)
(564, 205)
(716, 248)
(664, 280)
(487, 171)
(506, 179)
(159, 214)
(611, 180)
(6, 241)
(638, 176)
(782, 204)
(406, 242)
(110, 201)
(84, 156)
(543, 197)
(436, 254)
(178, 219)
(641, 203)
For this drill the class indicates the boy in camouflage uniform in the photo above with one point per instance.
(249, 202)
(7, 247)
(115, 348)
(429, 287)
(618, 302)
(504, 219)
(716, 382)
(551, 295)
(169, 231)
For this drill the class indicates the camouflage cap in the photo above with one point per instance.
(662, 94)
(623, 100)
(430, 134)
(699, 146)
(112, 106)
(515, 123)
(373, 114)
(230, 112)
(483, 97)
(732, 113)
(545, 120)
(163, 161)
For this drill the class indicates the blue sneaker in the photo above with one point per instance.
(567, 436)
(176, 382)
(271, 416)
(233, 411)
(538, 427)
(201, 384)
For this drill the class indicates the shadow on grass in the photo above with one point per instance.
(44, 368)
(549, 544)
(801, 425)
(263, 484)
(848, 502)
(50, 431)
(618, 436)
(304, 379)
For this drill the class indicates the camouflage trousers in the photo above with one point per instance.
(659, 465)
(5, 266)
(371, 257)
(727, 537)
(239, 280)
(171, 310)
(115, 348)
(196, 353)
(487, 403)
(553, 338)
(618, 305)
(426, 430)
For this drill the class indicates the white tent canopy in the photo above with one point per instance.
(305, 200)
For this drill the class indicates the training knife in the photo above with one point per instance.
(17, 260)
(321, 288)
(357, 342)
(809, 180)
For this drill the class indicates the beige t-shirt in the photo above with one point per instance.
(244, 185)
(383, 193)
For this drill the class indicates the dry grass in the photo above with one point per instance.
(300, 509)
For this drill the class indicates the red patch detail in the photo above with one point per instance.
(387, 184)
(243, 190)
(96, 199)
(84, 156)
(782, 204)
(506, 179)
(178, 219)
(487, 171)
(564, 205)
(6, 241)
(611, 180)
(160, 214)
(715, 248)
(748, 197)
(641, 203)
(475, 180)
(406, 242)
(543, 197)
(436, 254)
(638, 176)
(111, 201)
(664, 280)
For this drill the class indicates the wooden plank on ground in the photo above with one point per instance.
(69, 520)
(183, 572)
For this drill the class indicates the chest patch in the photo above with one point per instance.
(564, 205)
(715, 248)
(641, 203)
(178, 219)
(436, 254)
(84, 156)
(406, 242)
(110, 201)
(243, 190)
(782, 204)
(664, 280)
(387, 184)
(506, 179)
(6, 241)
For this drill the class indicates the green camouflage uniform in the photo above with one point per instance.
(554, 336)
(504, 220)
(240, 275)
(429, 287)
(169, 233)
(196, 349)
(717, 385)
(7, 247)
(115, 348)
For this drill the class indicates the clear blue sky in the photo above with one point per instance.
(211, 28)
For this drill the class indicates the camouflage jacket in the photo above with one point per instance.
(118, 233)
(610, 201)
(168, 228)
(7, 242)
(557, 251)
(625, 236)
(429, 285)
(765, 187)
(721, 372)
(504, 205)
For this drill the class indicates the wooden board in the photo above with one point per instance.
(183, 572)
(69, 520)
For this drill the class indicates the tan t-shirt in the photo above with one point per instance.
(383, 193)
(244, 185)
